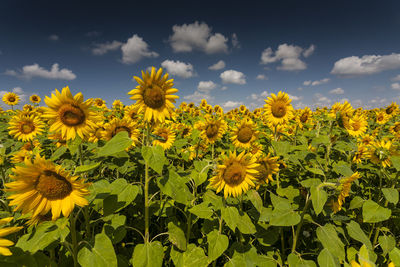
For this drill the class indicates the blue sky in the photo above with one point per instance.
(319, 52)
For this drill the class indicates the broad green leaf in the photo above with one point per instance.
(295, 260)
(394, 256)
(215, 200)
(391, 194)
(250, 258)
(245, 225)
(176, 236)
(101, 254)
(387, 243)
(58, 153)
(217, 244)
(327, 259)
(396, 162)
(155, 157)
(148, 255)
(73, 145)
(121, 195)
(231, 216)
(199, 174)
(356, 202)
(202, 210)
(318, 198)
(367, 257)
(310, 182)
(329, 238)
(373, 213)
(193, 256)
(255, 199)
(342, 168)
(288, 192)
(283, 214)
(358, 234)
(118, 143)
(86, 168)
(322, 139)
(281, 147)
(316, 171)
(175, 187)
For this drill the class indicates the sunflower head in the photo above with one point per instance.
(25, 128)
(278, 108)
(165, 137)
(11, 99)
(35, 99)
(154, 95)
(244, 134)
(212, 129)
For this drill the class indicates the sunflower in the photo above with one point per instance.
(117, 105)
(367, 139)
(97, 133)
(154, 95)
(41, 186)
(100, 103)
(344, 187)
(235, 175)
(166, 137)
(278, 108)
(392, 109)
(304, 117)
(244, 134)
(35, 99)
(268, 166)
(60, 141)
(256, 150)
(362, 153)
(4, 243)
(69, 115)
(11, 99)
(380, 152)
(183, 129)
(20, 156)
(212, 129)
(395, 129)
(131, 113)
(381, 117)
(357, 125)
(25, 128)
(119, 125)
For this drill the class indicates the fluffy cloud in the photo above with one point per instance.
(395, 86)
(233, 76)
(101, 49)
(288, 55)
(206, 86)
(295, 98)
(223, 88)
(31, 71)
(197, 96)
(54, 37)
(178, 68)
(231, 104)
(257, 100)
(217, 66)
(337, 91)
(315, 83)
(261, 77)
(396, 78)
(197, 36)
(320, 100)
(368, 64)
(135, 49)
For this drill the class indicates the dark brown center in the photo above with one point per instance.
(72, 115)
(234, 174)
(244, 135)
(53, 186)
(154, 97)
(278, 109)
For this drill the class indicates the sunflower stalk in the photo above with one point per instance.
(74, 239)
(298, 228)
(146, 191)
(86, 208)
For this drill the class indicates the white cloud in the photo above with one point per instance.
(197, 36)
(30, 71)
(101, 49)
(217, 66)
(54, 37)
(135, 49)
(320, 100)
(289, 55)
(326, 80)
(368, 64)
(295, 98)
(231, 104)
(261, 77)
(233, 76)
(206, 86)
(235, 41)
(307, 83)
(337, 91)
(396, 78)
(395, 86)
(197, 96)
(178, 68)
(223, 88)
(309, 51)
(258, 99)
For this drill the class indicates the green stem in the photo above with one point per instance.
(220, 232)
(3, 176)
(74, 240)
(212, 151)
(282, 245)
(189, 228)
(298, 228)
(146, 193)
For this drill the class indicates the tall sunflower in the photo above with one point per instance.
(380, 152)
(119, 125)
(154, 95)
(25, 128)
(344, 187)
(357, 125)
(69, 115)
(395, 129)
(278, 108)
(166, 137)
(212, 129)
(35, 99)
(100, 103)
(381, 117)
(41, 186)
(244, 134)
(4, 243)
(11, 99)
(268, 166)
(235, 175)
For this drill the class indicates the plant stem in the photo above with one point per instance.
(298, 228)
(74, 240)
(146, 193)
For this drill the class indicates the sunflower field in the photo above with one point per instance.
(154, 184)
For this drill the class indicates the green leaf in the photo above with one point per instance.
(202, 211)
(58, 153)
(318, 198)
(176, 236)
(327, 259)
(121, 195)
(255, 199)
(245, 225)
(73, 145)
(342, 168)
(283, 214)
(281, 147)
(310, 182)
(217, 244)
(288, 192)
(387, 243)
(155, 157)
(329, 238)
(358, 234)
(356, 202)
(296, 261)
(391, 194)
(316, 171)
(175, 187)
(118, 143)
(101, 254)
(86, 168)
(396, 162)
(199, 174)
(230, 216)
(148, 255)
(394, 256)
(193, 256)
(374, 213)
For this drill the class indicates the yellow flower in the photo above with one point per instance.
(235, 175)
(362, 153)
(4, 243)
(117, 104)
(20, 156)
(380, 151)
(268, 166)
(344, 187)
(381, 117)
(119, 125)
(25, 128)
(357, 125)
(100, 103)
(131, 113)
(69, 115)
(278, 108)
(154, 95)
(244, 134)
(97, 133)
(304, 117)
(11, 99)
(212, 129)
(395, 129)
(41, 186)
(35, 99)
(166, 137)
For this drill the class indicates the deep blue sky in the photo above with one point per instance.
(306, 39)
